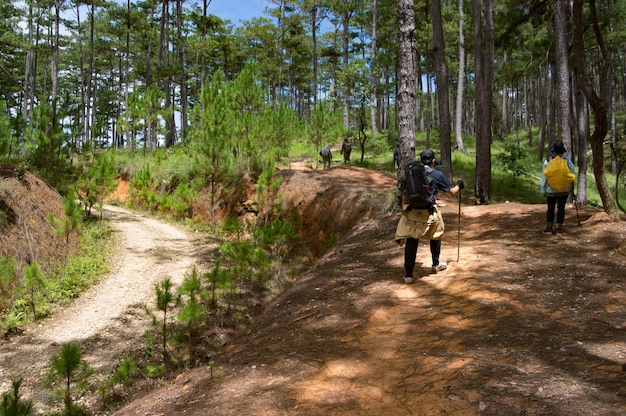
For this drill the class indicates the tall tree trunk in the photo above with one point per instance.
(205, 7)
(333, 71)
(149, 138)
(443, 97)
(422, 100)
(314, 51)
(130, 140)
(81, 75)
(345, 96)
(164, 63)
(529, 111)
(29, 68)
(94, 112)
(482, 12)
(613, 119)
(54, 68)
(54, 79)
(563, 90)
(552, 105)
(406, 82)
(582, 132)
(373, 72)
(183, 74)
(505, 127)
(278, 45)
(89, 100)
(596, 101)
(428, 109)
(458, 124)
(613, 96)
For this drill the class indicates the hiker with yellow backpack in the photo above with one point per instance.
(557, 177)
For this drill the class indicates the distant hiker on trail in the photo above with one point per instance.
(557, 176)
(418, 184)
(346, 149)
(396, 157)
(326, 155)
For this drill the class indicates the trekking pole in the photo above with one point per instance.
(458, 246)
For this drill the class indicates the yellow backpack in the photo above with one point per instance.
(558, 175)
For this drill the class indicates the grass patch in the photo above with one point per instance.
(87, 265)
(81, 270)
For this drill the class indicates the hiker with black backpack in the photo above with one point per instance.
(557, 178)
(418, 184)
(346, 149)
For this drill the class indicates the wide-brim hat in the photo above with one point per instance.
(559, 147)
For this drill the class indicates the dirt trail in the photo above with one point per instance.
(522, 324)
(107, 320)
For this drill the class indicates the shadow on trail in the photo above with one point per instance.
(508, 330)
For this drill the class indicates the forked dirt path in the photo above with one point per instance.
(107, 320)
(522, 323)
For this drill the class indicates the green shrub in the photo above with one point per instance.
(12, 321)
(155, 371)
(12, 404)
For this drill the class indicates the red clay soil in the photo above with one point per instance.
(521, 323)
(26, 232)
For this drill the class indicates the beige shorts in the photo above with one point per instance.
(420, 224)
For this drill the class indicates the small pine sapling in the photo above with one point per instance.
(12, 404)
(69, 367)
(34, 283)
(164, 300)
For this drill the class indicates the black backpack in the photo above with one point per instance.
(418, 185)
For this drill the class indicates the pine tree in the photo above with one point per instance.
(69, 367)
(12, 404)
(164, 299)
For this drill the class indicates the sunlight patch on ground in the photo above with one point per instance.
(452, 322)
(345, 368)
(330, 320)
(486, 296)
(339, 382)
(406, 293)
(385, 322)
(381, 315)
(615, 351)
(617, 297)
(613, 307)
(459, 363)
(440, 280)
(554, 388)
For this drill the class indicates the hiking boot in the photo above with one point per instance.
(439, 267)
(548, 230)
(408, 280)
(558, 231)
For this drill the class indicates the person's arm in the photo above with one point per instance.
(456, 188)
(443, 185)
(571, 166)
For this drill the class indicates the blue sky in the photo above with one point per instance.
(237, 10)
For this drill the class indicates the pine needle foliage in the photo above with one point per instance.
(12, 404)
(68, 367)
